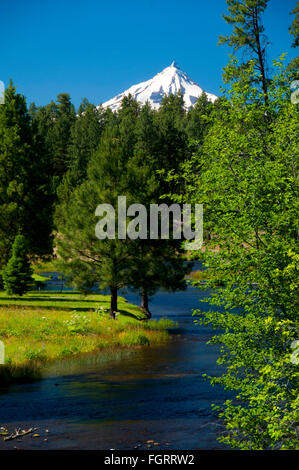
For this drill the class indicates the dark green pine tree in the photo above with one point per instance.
(294, 31)
(53, 123)
(157, 263)
(198, 118)
(172, 147)
(17, 273)
(59, 137)
(85, 259)
(294, 28)
(127, 117)
(146, 133)
(248, 34)
(43, 118)
(25, 200)
(85, 137)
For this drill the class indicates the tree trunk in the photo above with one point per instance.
(144, 303)
(260, 57)
(113, 304)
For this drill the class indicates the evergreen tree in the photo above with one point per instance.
(84, 259)
(25, 200)
(120, 166)
(53, 123)
(127, 117)
(294, 30)
(146, 133)
(84, 139)
(157, 263)
(59, 137)
(17, 273)
(197, 119)
(172, 145)
(248, 34)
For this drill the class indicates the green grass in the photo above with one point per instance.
(37, 277)
(65, 300)
(39, 328)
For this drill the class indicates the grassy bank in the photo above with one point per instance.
(39, 328)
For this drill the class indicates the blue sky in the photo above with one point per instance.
(98, 48)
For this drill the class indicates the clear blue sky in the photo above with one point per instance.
(98, 48)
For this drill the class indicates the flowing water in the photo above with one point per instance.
(156, 394)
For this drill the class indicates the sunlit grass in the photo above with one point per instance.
(36, 336)
(37, 277)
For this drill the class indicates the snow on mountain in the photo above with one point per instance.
(169, 81)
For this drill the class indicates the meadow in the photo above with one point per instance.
(43, 327)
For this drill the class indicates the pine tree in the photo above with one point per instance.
(248, 34)
(84, 259)
(84, 139)
(17, 273)
(127, 116)
(172, 145)
(53, 123)
(59, 136)
(146, 132)
(294, 31)
(25, 200)
(156, 263)
(294, 28)
(198, 118)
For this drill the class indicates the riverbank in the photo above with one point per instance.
(39, 328)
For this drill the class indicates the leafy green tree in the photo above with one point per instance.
(246, 177)
(17, 273)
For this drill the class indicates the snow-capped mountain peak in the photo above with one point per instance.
(169, 81)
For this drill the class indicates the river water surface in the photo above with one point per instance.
(156, 394)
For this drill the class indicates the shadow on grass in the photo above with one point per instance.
(125, 313)
(49, 307)
(48, 299)
(12, 374)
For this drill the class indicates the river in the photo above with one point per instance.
(156, 394)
